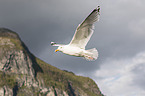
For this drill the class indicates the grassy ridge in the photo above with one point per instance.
(55, 77)
(52, 76)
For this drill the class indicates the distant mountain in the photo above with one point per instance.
(23, 74)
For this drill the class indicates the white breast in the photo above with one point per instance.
(71, 50)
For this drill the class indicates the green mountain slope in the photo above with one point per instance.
(22, 74)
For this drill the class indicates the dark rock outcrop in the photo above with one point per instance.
(22, 74)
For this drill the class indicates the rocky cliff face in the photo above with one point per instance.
(22, 74)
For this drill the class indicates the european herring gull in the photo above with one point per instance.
(81, 37)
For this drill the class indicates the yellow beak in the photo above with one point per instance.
(56, 50)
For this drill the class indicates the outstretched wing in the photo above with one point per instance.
(85, 30)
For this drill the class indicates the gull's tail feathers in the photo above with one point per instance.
(91, 55)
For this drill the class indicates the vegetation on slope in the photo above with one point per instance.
(61, 79)
(7, 79)
(52, 76)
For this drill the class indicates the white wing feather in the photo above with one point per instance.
(85, 30)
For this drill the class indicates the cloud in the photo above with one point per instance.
(122, 77)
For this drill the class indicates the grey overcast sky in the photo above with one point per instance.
(119, 37)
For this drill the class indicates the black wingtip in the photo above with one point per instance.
(98, 8)
(52, 43)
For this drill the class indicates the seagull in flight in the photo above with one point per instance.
(80, 39)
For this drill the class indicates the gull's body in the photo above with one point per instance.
(80, 39)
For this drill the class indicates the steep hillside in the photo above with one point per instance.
(22, 74)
